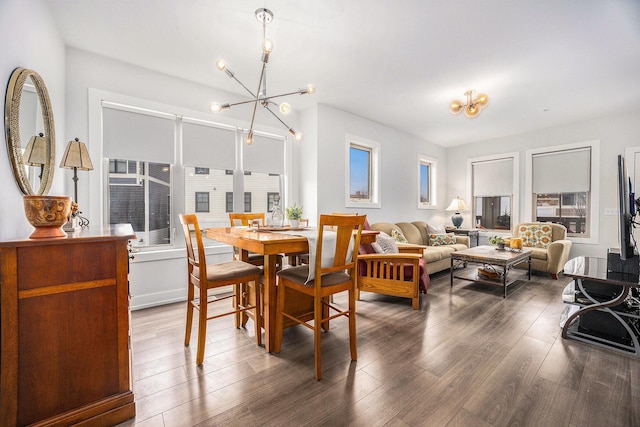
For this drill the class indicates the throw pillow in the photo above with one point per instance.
(385, 244)
(442, 239)
(436, 229)
(398, 236)
(535, 235)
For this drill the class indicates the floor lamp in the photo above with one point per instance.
(76, 156)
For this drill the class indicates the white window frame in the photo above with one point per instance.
(515, 201)
(594, 192)
(375, 148)
(433, 167)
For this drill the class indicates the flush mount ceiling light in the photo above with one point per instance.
(473, 106)
(264, 16)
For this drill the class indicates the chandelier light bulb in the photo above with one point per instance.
(482, 100)
(250, 138)
(285, 108)
(267, 45)
(471, 110)
(456, 107)
(215, 107)
(298, 136)
(221, 64)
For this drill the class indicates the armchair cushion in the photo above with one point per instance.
(535, 235)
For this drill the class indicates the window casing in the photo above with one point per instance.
(362, 173)
(426, 183)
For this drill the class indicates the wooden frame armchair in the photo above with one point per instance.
(391, 274)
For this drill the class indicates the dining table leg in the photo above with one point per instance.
(269, 298)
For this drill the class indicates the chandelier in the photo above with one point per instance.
(473, 106)
(264, 16)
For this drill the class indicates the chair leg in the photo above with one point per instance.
(352, 325)
(358, 294)
(202, 326)
(257, 316)
(237, 300)
(277, 345)
(187, 332)
(326, 312)
(317, 330)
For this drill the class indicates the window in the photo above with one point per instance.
(202, 201)
(271, 198)
(362, 173)
(139, 184)
(206, 153)
(494, 188)
(144, 201)
(265, 161)
(426, 183)
(229, 202)
(247, 201)
(561, 187)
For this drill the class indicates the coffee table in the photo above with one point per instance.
(496, 263)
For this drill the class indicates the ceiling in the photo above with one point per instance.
(543, 63)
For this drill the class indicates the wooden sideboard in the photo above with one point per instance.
(64, 330)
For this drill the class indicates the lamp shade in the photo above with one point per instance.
(457, 205)
(76, 155)
(36, 152)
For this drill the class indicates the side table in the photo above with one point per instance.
(473, 233)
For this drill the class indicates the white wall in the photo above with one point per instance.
(614, 134)
(399, 152)
(30, 39)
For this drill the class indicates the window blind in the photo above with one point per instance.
(265, 155)
(566, 171)
(208, 146)
(493, 178)
(138, 136)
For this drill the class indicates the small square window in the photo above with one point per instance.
(202, 201)
(202, 171)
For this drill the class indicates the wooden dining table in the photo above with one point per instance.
(270, 244)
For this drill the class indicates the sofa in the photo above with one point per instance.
(548, 244)
(436, 252)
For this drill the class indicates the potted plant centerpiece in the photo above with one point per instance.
(294, 215)
(498, 241)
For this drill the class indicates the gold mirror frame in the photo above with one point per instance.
(12, 130)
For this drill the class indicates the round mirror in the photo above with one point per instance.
(29, 128)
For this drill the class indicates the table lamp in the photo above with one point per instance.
(36, 152)
(457, 205)
(76, 156)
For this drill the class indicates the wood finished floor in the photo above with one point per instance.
(467, 357)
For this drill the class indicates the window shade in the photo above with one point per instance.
(493, 178)
(562, 171)
(137, 136)
(208, 146)
(265, 155)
